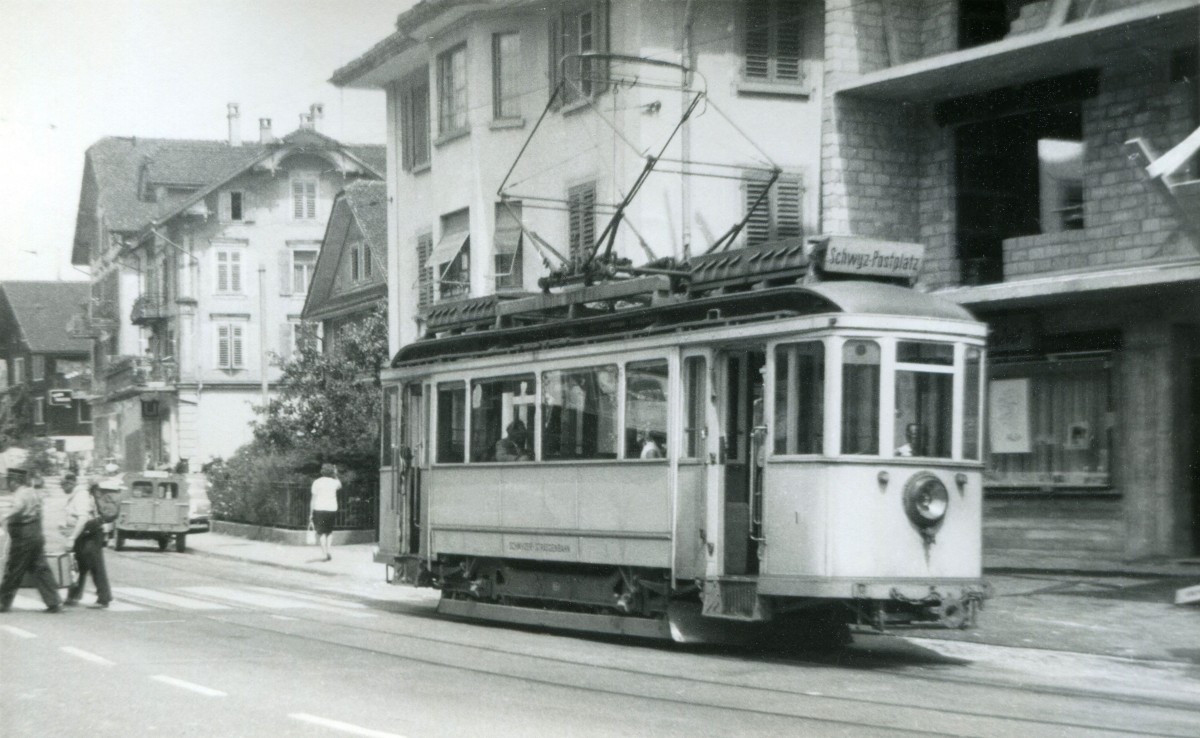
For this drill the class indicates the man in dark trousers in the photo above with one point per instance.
(27, 546)
(84, 534)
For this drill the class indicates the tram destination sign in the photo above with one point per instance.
(868, 256)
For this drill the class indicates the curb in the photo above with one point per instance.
(273, 564)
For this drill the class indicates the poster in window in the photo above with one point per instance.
(1008, 410)
(1079, 436)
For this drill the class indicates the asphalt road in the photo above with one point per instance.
(203, 647)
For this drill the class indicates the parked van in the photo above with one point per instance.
(154, 505)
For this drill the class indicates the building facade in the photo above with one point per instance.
(201, 255)
(44, 372)
(1004, 136)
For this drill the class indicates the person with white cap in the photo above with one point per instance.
(84, 532)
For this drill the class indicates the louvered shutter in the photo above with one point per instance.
(222, 271)
(310, 200)
(223, 346)
(235, 339)
(424, 272)
(224, 206)
(581, 220)
(285, 272)
(758, 226)
(788, 30)
(789, 194)
(297, 199)
(235, 271)
(758, 39)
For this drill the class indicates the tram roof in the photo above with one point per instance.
(858, 297)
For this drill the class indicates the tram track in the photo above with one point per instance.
(669, 686)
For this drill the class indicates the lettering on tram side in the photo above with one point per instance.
(869, 256)
(538, 547)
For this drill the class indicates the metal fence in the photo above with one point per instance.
(288, 505)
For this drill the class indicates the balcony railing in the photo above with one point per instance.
(147, 307)
(137, 372)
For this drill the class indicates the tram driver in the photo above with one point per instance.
(911, 445)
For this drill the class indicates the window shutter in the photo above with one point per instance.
(789, 193)
(310, 200)
(226, 211)
(285, 272)
(236, 340)
(600, 68)
(758, 39)
(355, 263)
(297, 199)
(424, 272)
(554, 33)
(235, 271)
(787, 41)
(222, 271)
(758, 226)
(223, 346)
(285, 341)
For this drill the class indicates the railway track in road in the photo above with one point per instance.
(897, 692)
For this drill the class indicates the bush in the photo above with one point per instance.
(244, 488)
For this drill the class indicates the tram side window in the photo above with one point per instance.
(451, 422)
(799, 398)
(391, 410)
(579, 413)
(501, 419)
(860, 397)
(695, 392)
(924, 399)
(646, 410)
(972, 385)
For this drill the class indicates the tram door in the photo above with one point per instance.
(414, 422)
(741, 412)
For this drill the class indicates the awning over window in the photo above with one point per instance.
(456, 234)
(508, 229)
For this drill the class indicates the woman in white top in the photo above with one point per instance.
(323, 508)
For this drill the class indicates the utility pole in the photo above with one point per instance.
(262, 328)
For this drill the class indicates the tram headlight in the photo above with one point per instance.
(926, 500)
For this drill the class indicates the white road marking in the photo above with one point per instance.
(344, 727)
(197, 688)
(155, 597)
(18, 632)
(245, 598)
(283, 617)
(86, 655)
(313, 598)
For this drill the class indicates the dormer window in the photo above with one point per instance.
(233, 206)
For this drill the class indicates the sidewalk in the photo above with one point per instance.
(1119, 613)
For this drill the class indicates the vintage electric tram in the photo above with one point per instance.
(695, 457)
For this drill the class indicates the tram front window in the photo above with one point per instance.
(501, 419)
(924, 399)
(579, 413)
(646, 410)
(860, 397)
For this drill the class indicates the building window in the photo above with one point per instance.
(84, 412)
(506, 75)
(304, 198)
(360, 261)
(773, 41)
(775, 212)
(229, 346)
(452, 90)
(800, 398)
(304, 262)
(39, 411)
(18, 370)
(581, 221)
(579, 30)
(451, 422)
(579, 412)
(506, 246)
(414, 123)
(451, 258)
(229, 271)
(646, 410)
(233, 206)
(38, 368)
(502, 418)
(424, 272)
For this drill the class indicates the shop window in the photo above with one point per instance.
(800, 398)
(502, 418)
(924, 399)
(1050, 425)
(579, 413)
(695, 393)
(860, 397)
(451, 422)
(646, 410)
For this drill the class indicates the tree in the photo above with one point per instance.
(329, 402)
(14, 416)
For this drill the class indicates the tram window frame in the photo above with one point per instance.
(923, 389)
(868, 437)
(972, 413)
(487, 431)
(552, 413)
(637, 439)
(796, 400)
(448, 451)
(695, 413)
(389, 430)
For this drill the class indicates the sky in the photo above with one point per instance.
(74, 71)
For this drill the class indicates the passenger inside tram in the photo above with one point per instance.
(911, 445)
(513, 446)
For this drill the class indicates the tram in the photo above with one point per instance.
(695, 459)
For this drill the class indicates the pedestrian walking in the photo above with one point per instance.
(27, 544)
(84, 532)
(324, 505)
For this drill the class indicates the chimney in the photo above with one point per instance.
(235, 124)
(316, 112)
(264, 131)
(306, 122)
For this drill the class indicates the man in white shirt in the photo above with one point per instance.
(84, 533)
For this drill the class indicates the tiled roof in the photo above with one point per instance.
(115, 166)
(42, 310)
(368, 201)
